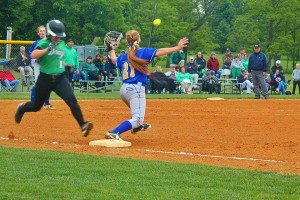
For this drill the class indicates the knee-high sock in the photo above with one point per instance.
(123, 127)
(32, 95)
(47, 102)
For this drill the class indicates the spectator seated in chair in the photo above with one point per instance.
(214, 65)
(159, 80)
(23, 64)
(90, 70)
(201, 63)
(8, 80)
(104, 68)
(211, 83)
(277, 66)
(244, 82)
(185, 81)
(192, 68)
(236, 66)
(277, 82)
(172, 79)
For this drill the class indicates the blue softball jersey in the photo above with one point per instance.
(131, 75)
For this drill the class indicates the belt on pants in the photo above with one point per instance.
(52, 76)
(136, 83)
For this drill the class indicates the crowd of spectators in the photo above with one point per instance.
(211, 72)
(183, 76)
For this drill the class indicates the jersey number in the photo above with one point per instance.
(125, 72)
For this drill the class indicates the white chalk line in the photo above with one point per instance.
(160, 152)
(216, 156)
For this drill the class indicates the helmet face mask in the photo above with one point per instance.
(56, 28)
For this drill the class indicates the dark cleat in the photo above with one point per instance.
(86, 128)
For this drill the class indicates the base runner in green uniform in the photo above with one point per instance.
(50, 54)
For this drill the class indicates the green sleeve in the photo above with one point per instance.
(182, 55)
(171, 59)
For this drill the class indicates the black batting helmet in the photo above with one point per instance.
(55, 28)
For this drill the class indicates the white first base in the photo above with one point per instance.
(215, 98)
(110, 143)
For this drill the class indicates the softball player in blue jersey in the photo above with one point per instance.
(41, 31)
(134, 67)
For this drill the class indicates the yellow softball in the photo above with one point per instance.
(156, 22)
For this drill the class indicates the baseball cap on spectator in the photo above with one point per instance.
(256, 46)
(227, 49)
(172, 65)
(277, 61)
(70, 40)
(191, 58)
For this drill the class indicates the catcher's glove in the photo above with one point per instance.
(112, 40)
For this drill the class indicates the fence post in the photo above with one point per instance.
(8, 46)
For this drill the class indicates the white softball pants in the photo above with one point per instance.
(134, 97)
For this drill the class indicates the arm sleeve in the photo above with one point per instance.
(249, 64)
(266, 65)
(32, 47)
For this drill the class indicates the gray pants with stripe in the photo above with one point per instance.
(134, 97)
(259, 82)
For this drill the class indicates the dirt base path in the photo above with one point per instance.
(250, 134)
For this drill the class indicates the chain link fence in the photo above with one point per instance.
(11, 51)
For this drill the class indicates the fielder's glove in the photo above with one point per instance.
(112, 40)
(52, 45)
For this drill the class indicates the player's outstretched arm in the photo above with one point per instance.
(164, 51)
(113, 56)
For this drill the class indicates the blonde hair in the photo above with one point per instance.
(237, 56)
(38, 28)
(132, 41)
(297, 66)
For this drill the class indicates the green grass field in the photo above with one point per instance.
(39, 174)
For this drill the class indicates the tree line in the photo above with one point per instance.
(211, 25)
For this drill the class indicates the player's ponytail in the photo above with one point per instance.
(132, 41)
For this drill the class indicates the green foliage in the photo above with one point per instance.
(211, 25)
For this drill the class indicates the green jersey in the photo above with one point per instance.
(71, 57)
(245, 63)
(52, 62)
(182, 76)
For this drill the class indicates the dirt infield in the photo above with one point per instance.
(250, 134)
